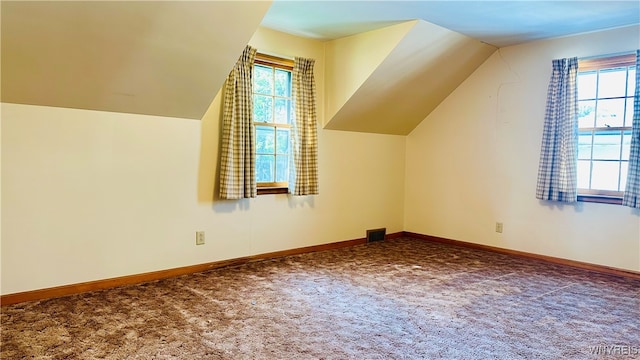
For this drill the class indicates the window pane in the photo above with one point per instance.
(262, 108)
(265, 168)
(586, 114)
(628, 118)
(612, 108)
(605, 175)
(265, 140)
(610, 113)
(631, 84)
(282, 168)
(626, 145)
(262, 80)
(612, 82)
(606, 145)
(624, 167)
(584, 145)
(587, 85)
(282, 146)
(282, 111)
(283, 83)
(584, 170)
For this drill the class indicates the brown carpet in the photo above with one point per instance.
(398, 299)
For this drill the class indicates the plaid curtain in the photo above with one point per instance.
(304, 172)
(632, 192)
(557, 172)
(237, 156)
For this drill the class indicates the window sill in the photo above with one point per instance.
(600, 199)
(272, 190)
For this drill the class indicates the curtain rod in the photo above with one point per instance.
(276, 55)
(622, 53)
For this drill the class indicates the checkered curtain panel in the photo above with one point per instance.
(237, 157)
(557, 173)
(632, 192)
(304, 173)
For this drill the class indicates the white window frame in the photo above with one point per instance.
(287, 65)
(596, 66)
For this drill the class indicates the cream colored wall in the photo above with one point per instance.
(416, 74)
(351, 60)
(89, 195)
(474, 162)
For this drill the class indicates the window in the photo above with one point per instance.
(605, 113)
(272, 106)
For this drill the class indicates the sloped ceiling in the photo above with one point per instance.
(500, 23)
(388, 80)
(419, 71)
(351, 60)
(166, 58)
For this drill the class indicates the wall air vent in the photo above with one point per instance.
(376, 235)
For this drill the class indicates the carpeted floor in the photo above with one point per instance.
(398, 299)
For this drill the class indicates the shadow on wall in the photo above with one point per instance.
(577, 206)
(209, 167)
(300, 201)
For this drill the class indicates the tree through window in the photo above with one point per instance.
(272, 120)
(605, 100)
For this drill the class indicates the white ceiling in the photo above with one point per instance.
(500, 23)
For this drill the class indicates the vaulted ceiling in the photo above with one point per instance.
(166, 58)
(496, 22)
(398, 75)
(170, 58)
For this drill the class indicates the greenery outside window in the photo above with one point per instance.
(605, 101)
(272, 116)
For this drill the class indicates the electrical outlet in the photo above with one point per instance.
(199, 237)
(499, 227)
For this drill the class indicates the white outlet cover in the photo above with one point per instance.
(199, 237)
